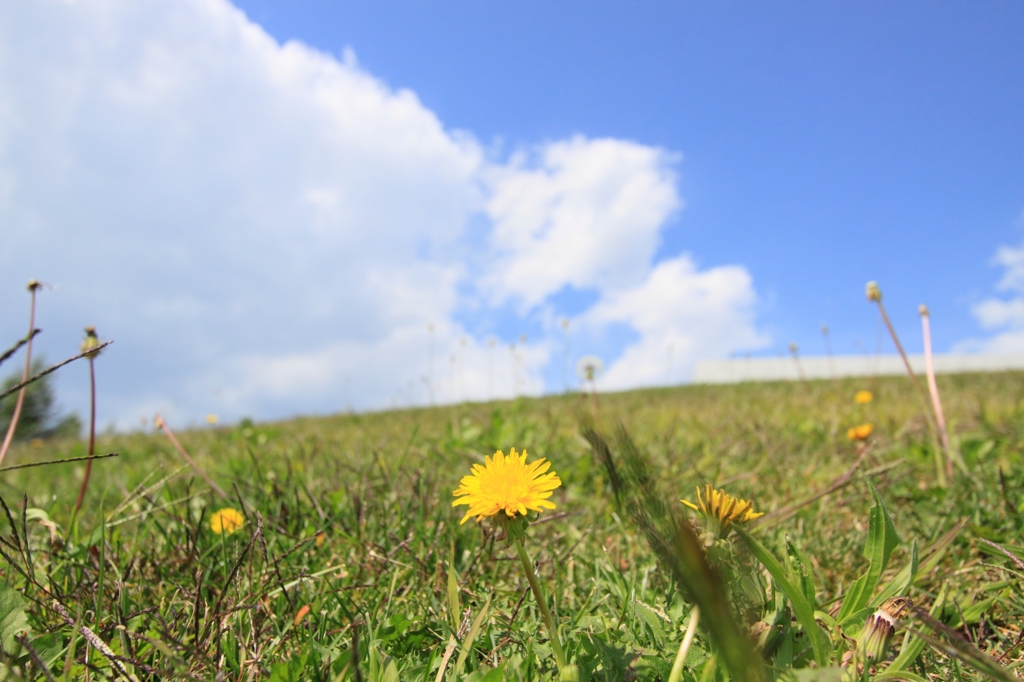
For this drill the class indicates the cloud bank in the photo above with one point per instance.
(267, 230)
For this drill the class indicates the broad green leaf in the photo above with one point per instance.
(881, 544)
(390, 672)
(857, 594)
(49, 647)
(881, 541)
(13, 620)
(903, 580)
(801, 570)
(801, 607)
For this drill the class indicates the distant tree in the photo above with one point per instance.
(38, 414)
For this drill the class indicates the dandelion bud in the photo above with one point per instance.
(873, 292)
(570, 673)
(881, 625)
(34, 285)
(91, 342)
(922, 310)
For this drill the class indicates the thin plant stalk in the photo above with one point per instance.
(92, 434)
(828, 351)
(162, 425)
(684, 646)
(933, 387)
(940, 468)
(795, 352)
(33, 287)
(538, 593)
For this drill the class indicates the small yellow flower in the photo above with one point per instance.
(509, 484)
(860, 432)
(226, 520)
(722, 509)
(863, 397)
(212, 418)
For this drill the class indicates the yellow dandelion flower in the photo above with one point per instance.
(507, 483)
(863, 397)
(860, 432)
(226, 520)
(212, 418)
(722, 507)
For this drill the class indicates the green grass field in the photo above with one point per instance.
(352, 564)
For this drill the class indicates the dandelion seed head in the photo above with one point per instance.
(589, 367)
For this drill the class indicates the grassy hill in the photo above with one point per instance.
(350, 542)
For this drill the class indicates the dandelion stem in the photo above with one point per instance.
(92, 435)
(933, 388)
(32, 288)
(684, 646)
(538, 593)
(161, 424)
(940, 469)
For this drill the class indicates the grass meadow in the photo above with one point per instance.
(351, 563)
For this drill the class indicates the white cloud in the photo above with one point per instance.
(267, 230)
(1012, 260)
(588, 215)
(993, 313)
(203, 194)
(1005, 316)
(681, 314)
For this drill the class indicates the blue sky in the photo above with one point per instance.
(267, 204)
(822, 144)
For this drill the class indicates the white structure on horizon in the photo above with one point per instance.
(735, 370)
